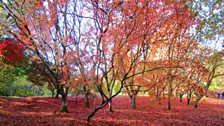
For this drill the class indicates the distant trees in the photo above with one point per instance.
(13, 72)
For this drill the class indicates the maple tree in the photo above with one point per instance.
(124, 39)
(38, 27)
(12, 52)
(214, 62)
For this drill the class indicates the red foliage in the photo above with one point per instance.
(12, 51)
(43, 111)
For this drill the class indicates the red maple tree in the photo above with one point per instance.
(12, 51)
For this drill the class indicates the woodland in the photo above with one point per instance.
(111, 62)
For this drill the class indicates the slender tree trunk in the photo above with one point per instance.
(188, 98)
(169, 104)
(86, 100)
(181, 96)
(197, 100)
(133, 102)
(110, 106)
(157, 95)
(52, 93)
(86, 97)
(158, 98)
(196, 104)
(92, 113)
(104, 103)
(188, 101)
(110, 103)
(169, 94)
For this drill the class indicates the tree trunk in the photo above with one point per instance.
(158, 98)
(86, 97)
(57, 93)
(169, 104)
(169, 95)
(110, 103)
(64, 94)
(64, 103)
(157, 95)
(133, 103)
(188, 98)
(86, 100)
(197, 100)
(188, 101)
(110, 106)
(104, 103)
(52, 93)
(92, 113)
(181, 96)
(196, 104)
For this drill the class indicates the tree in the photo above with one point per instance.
(214, 62)
(211, 19)
(13, 60)
(7, 77)
(123, 29)
(49, 31)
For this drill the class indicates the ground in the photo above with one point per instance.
(43, 111)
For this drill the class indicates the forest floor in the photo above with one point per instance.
(44, 111)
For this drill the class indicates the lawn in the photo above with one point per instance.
(44, 111)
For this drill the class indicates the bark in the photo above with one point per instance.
(64, 92)
(52, 93)
(86, 100)
(188, 98)
(92, 113)
(57, 93)
(197, 100)
(188, 101)
(181, 96)
(133, 102)
(158, 99)
(169, 95)
(196, 104)
(169, 104)
(64, 103)
(157, 95)
(86, 97)
(110, 104)
(104, 103)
